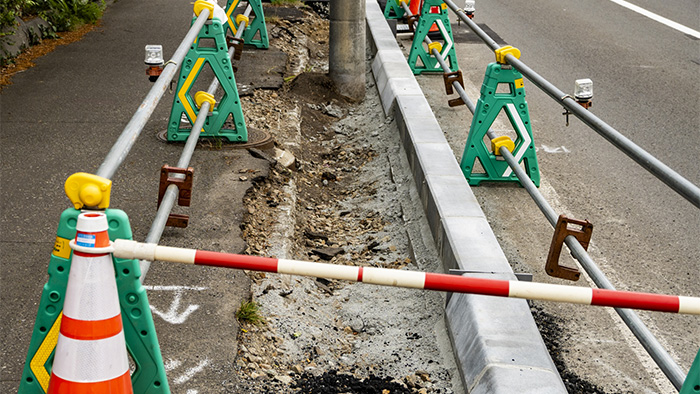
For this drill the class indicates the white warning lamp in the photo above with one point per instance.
(154, 55)
(154, 61)
(583, 90)
(470, 6)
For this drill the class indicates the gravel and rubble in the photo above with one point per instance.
(347, 198)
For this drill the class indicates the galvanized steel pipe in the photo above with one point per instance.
(128, 137)
(631, 319)
(171, 193)
(232, 50)
(675, 181)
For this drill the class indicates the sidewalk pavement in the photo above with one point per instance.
(62, 116)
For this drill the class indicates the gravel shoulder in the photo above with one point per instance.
(348, 199)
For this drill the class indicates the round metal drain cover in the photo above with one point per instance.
(256, 139)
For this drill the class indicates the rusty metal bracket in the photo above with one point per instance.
(184, 191)
(411, 20)
(561, 231)
(449, 78)
(236, 43)
(456, 102)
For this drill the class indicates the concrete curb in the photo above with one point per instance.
(495, 340)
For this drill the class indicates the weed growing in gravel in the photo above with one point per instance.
(249, 313)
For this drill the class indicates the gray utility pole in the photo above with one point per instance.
(347, 47)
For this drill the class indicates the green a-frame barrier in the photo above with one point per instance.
(394, 10)
(692, 381)
(255, 27)
(139, 331)
(418, 52)
(186, 104)
(490, 104)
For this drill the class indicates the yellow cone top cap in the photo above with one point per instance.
(88, 190)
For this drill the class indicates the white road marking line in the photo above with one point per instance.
(558, 149)
(191, 372)
(174, 288)
(658, 18)
(171, 364)
(172, 316)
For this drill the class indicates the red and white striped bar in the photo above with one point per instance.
(413, 279)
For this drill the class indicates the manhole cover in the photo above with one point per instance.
(256, 139)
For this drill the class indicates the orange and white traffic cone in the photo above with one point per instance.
(417, 5)
(91, 354)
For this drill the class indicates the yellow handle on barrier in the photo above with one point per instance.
(200, 5)
(88, 190)
(498, 142)
(502, 52)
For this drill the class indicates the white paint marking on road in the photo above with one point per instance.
(191, 372)
(174, 288)
(192, 391)
(558, 149)
(172, 316)
(171, 364)
(658, 18)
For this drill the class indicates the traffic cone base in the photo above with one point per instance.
(120, 384)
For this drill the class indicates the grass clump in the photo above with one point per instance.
(249, 312)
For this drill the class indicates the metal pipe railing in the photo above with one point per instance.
(128, 137)
(629, 317)
(675, 181)
(171, 193)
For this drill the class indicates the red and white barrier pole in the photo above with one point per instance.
(414, 279)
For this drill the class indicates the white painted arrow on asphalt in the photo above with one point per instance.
(172, 315)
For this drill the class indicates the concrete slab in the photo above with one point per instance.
(494, 340)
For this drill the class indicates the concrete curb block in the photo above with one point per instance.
(495, 340)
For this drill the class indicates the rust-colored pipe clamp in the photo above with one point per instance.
(561, 231)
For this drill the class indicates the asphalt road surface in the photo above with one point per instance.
(646, 78)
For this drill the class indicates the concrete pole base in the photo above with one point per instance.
(346, 59)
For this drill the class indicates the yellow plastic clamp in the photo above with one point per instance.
(202, 97)
(434, 45)
(240, 18)
(506, 50)
(88, 190)
(400, 2)
(498, 142)
(200, 5)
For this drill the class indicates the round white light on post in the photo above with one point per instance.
(154, 61)
(154, 55)
(583, 94)
(583, 91)
(470, 8)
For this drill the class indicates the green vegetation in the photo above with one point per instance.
(63, 15)
(249, 313)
